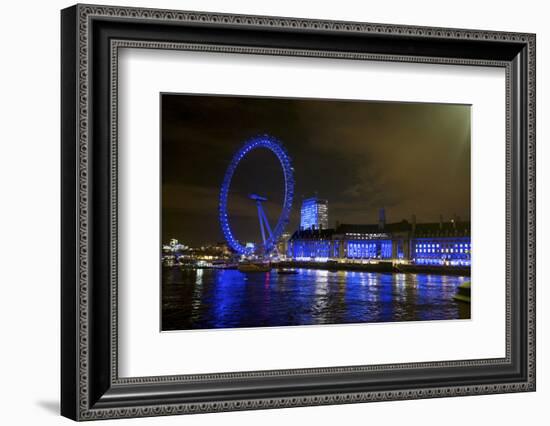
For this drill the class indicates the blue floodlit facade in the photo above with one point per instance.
(437, 251)
(436, 244)
(314, 214)
(376, 249)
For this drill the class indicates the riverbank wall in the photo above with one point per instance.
(387, 267)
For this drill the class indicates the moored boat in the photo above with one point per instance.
(463, 294)
(254, 267)
(284, 271)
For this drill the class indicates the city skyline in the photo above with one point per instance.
(359, 156)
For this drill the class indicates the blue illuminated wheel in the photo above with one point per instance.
(275, 146)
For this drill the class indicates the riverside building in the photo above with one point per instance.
(439, 243)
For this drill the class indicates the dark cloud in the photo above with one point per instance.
(411, 158)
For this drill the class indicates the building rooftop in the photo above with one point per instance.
(433, 229)
(444, 229)
(314, 199)
(313, 234)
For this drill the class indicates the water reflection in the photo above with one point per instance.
(200, 299)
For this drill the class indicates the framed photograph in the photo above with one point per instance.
(253, 237)
(263, 212)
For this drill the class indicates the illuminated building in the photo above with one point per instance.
(174, 246)
(314, 214)
(282, 245)
(402, 242)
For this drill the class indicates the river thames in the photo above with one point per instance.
(225, 298)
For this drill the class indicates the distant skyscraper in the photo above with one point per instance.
(314, 214)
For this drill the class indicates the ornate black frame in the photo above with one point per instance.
(91, 37)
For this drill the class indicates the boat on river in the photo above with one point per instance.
(464, 293)
(286, 271)
(254, 267)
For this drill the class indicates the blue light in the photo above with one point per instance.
(275, 146)
(443, 251)
(314, 214)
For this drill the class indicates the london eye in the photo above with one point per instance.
(269, 236)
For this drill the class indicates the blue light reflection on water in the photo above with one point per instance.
(210, 298)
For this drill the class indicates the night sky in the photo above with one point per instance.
(410, 158)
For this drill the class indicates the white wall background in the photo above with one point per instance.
(29, 217)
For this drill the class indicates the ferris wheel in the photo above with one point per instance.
(269, 236)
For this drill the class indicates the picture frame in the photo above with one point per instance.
(90, 384)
